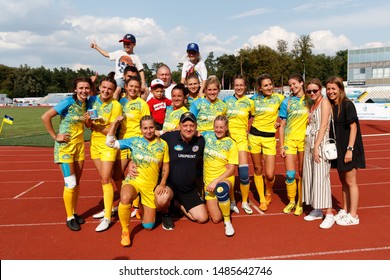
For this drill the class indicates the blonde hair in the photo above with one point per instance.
(224, 119)
(213, 80)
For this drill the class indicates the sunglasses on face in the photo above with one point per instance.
(310, 91)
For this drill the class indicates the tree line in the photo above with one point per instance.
(25, 81)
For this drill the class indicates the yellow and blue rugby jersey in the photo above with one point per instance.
(296, 113)
(205, 112)
(266, 111)
(217, 154)
(107, 111)
(172, 117)
(238, 112)
(72, 119)
(190, 100)
(133, 111)
(147, 156)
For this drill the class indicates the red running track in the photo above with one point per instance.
(32, 224)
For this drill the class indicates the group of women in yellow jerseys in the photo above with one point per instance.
(225, 127)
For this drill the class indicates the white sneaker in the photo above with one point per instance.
(245, 206)
(100, 215)
(233, 207)
(229, 230)
(134, 212)
(316, 214)
(348, 220)
(104, 224)
(340, 215)
(328, 222)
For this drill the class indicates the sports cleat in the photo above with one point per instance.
(290, 206)
(100, 215)
(136, 213)
(125, 239)
(263, 206)
(247, 209)
(316, 214)
(233, 207)
(348, 220)
(328, 222)
(268, 198)
(298, 210)
(80, 220)
(229, 230)
(104, 225)
(340, 215)
(167, 222)
(73, 225)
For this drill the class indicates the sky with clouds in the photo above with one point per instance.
(58, 33)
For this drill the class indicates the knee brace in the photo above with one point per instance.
(290, 174)
(65, 169)
(243, 172)
(70, 181)
(222, 192)
(148, 225)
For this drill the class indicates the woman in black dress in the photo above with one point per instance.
(349, 147)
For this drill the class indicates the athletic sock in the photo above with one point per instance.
(244, 192)
(68, 201)
(124, 212)
(108, 198)
(225, 209)
(259, 183)
(76, 193)
(269, 185)
(291, 190)
(136, 202)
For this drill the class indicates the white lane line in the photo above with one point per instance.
(33, 187)
(324, 253)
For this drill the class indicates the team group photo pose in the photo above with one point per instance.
(171, 148)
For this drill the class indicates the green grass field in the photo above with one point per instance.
(27, 128)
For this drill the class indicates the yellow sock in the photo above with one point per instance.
(291, 190)
(259, 183)
(136, 202)
(124, 212)
(68, 201)
(244, 192)
(76, 193)
(108, 198)
(231, 193)
(225, 209)
(300, 192)
(269, 185)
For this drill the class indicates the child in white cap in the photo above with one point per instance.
(158, 103)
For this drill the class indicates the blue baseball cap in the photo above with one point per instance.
(128, 38)
(193, 47)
